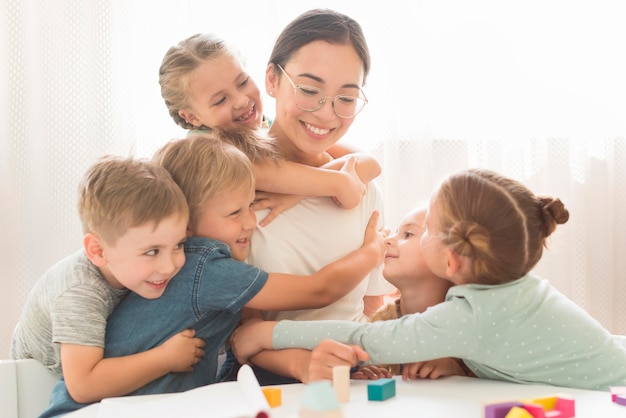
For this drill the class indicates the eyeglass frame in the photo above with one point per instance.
(322, 102)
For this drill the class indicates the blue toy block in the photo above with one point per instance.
(381, 389)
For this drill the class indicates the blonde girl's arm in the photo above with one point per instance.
(368, 168)
(286, 177)
(288, 292)
(90, 377)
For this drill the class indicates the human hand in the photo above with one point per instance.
(276, 202)
(330, 353)
(371, 372)
(375, 238)
(250, 338)
(182, 351)
(433, 369)
(350, 188)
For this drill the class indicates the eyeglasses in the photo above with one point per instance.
(310, 99)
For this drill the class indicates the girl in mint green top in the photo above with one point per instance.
(484, 233)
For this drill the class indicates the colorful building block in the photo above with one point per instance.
(620, 399)
(499, 410)
(273, 396)
(381, 389)
(518, 412)
(319, 401)
(617, 390)
(341, 383)
(551, 407)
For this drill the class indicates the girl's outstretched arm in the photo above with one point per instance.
(286, 177)
(368, 168)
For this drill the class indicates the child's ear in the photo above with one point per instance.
(270, 79)
(94, 250)
(457, 266)
(189, 117)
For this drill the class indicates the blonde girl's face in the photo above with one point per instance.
(335, 69)
(404, 261)
(229, 217)
(146, 257)
(222, 95)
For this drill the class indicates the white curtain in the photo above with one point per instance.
(533, 89)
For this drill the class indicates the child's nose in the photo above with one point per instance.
(241, 101)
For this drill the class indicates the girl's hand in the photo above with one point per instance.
(251, 338)
(351, 188)
(276, 202)
(375, 238)
(433, 369)
(330, 353)
(182, 351)
(371, 372)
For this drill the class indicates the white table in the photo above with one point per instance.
(447, 397)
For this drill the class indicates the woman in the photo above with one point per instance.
(316, 70)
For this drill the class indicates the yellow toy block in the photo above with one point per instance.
(273, 396)
(518, 412)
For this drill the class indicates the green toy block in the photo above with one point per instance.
(381, 389)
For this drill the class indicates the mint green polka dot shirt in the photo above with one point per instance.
(524, 331)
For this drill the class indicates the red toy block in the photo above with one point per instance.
(617, 390)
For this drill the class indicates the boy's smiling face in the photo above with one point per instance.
(229, 217)
(146, 257)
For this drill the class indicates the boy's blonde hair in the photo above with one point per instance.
(178, 64)
(497, 222)
(204, 165)
(118, 193)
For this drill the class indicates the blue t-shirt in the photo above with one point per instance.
(207, 295)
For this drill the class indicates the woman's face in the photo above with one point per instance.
(336, 69)
(223, 95)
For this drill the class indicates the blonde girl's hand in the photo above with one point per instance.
(351, 189)
(277, 203)
(251, 338)
(371, 372)
(182, 351)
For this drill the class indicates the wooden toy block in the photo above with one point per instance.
(566, 406)
(499, 410)
(535, 410)
(381, 389)
(620, 399)
(273, 396)
(518, 412)
(319, 401)
(560, 406)
(341, 383)
(617, 390)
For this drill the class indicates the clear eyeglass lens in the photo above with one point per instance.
(311, 99)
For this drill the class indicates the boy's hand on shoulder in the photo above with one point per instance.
(277, 203)
(182, 351)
